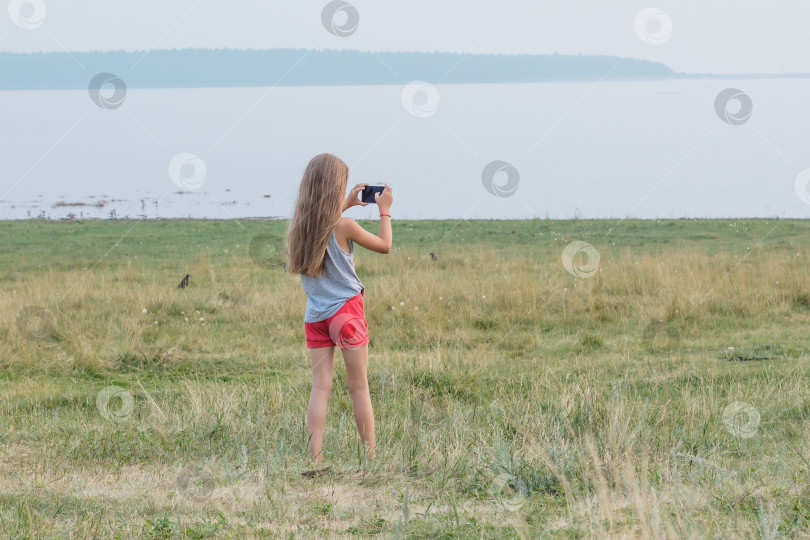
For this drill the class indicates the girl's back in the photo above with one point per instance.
(337, 284)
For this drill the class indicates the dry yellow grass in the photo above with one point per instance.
(513, 398)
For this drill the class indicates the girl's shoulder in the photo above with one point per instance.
(345, 221)
(345, 226)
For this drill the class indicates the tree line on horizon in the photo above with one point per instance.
(301, 67)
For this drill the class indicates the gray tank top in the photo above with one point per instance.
(339, 282)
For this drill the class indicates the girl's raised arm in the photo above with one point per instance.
(378, 243)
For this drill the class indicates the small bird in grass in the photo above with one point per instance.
(184, 282)
(433, 257)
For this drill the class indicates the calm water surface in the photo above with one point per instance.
(619, 149)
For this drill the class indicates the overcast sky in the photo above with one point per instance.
(714, 36)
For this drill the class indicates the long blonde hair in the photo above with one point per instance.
(317, 213)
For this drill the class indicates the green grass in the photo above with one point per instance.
(512, 398)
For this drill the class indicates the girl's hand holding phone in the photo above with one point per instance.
(385, 199)
(354, 197)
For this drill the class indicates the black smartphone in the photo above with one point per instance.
(369, 192)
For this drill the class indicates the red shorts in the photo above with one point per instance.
(346, 329)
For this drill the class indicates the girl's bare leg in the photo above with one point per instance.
(356, 361)
(322, 360)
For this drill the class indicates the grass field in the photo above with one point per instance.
(518, 392)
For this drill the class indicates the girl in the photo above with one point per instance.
(320, 245)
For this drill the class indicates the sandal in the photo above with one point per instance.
(316, 472)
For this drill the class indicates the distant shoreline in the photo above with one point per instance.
(211, 68)
(673, 77)
(245, 68)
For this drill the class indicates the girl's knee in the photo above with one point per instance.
(323, 386)
(357, 385)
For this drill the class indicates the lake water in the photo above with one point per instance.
(593, 150)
